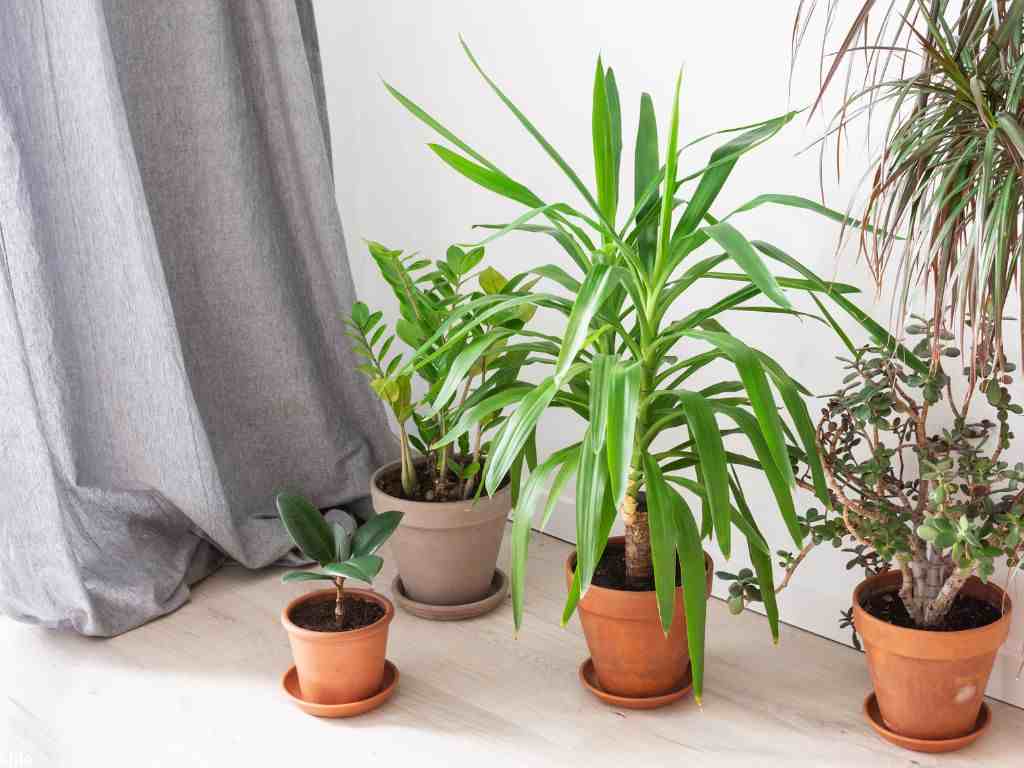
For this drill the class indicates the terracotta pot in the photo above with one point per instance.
(446, 552)
(632, 657)
(339, 667)
(929, 685)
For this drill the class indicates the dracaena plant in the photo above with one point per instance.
(428, 292)
(342, 550)
(945, 83)
(638, 327)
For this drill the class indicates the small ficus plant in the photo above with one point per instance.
(341, 550)
(458, 376)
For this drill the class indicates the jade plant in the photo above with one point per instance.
(638, 327)
(341, 549)
(455, 379)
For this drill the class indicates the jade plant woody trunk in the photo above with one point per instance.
(637, 329)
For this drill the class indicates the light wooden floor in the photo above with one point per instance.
(200, 687)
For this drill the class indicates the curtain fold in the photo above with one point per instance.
(173, 280)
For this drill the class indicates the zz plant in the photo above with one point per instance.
(341, 550)
(638, 328)
(428, 292)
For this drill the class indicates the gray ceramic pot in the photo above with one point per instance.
(446, 552)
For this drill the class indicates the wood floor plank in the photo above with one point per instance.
(201, 687)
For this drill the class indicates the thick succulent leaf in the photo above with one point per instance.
(307, 527)
(372, 534)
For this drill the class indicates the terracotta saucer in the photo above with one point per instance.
(494, 597)
(290, 683)
(588, 676)
(874, 718)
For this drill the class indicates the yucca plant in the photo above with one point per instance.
(945, 187)
(638, 328)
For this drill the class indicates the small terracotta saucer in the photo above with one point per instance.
(290, 683)
(588, 676)
(874, 718)
(494, 597)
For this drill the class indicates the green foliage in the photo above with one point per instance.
(946, 186)
(447, 358)
(622, 360)
(906, 487)
(340, 550)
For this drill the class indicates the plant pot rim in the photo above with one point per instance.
(929, 643)
(431, 508)
(381, 625)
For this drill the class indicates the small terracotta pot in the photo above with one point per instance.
(929, 685)
(446, 552)
(339, 667)
(632, 656)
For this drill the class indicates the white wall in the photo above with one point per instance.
(736, 56)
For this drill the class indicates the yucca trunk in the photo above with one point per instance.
(639, 570)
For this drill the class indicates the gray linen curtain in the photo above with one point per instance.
(173, 279)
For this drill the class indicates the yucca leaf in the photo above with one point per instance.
(695, 596)
(488, 178)
(743, 253)
(759, 558)
(662, 521)
(700, 420)
(513, 434)
(601, 279)
(591, 493)
(522, 516)
(623, 405)
(751, 371)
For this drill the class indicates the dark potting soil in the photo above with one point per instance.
(611, 573)
(318, 615)
(426, 489)
(967, 612)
